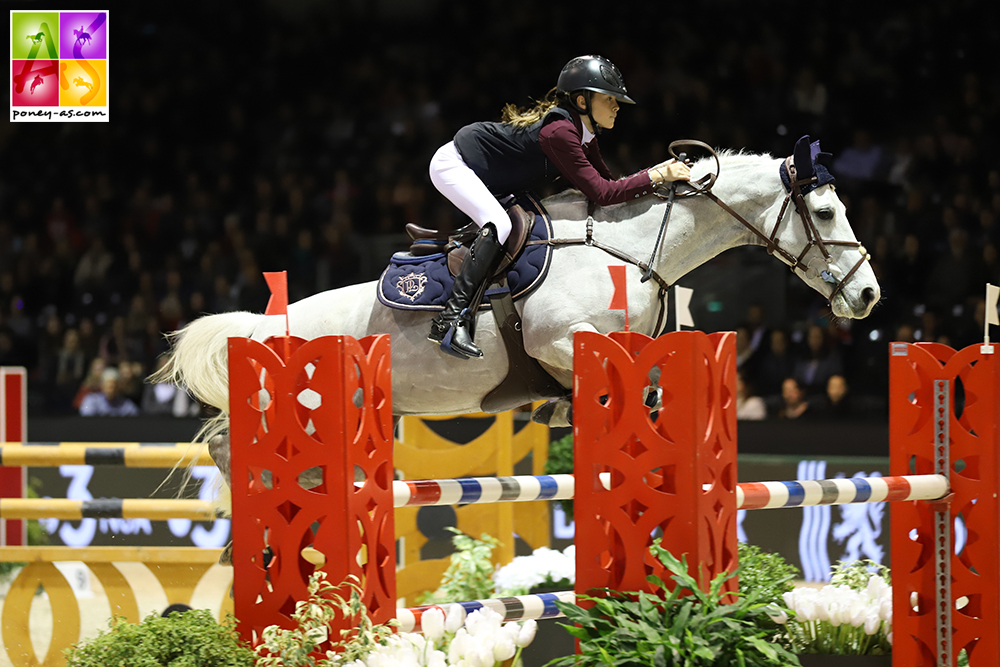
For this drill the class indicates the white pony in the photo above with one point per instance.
(575, 295)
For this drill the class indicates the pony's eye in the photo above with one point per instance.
(825, 214)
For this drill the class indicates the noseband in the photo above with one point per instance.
(813, 237)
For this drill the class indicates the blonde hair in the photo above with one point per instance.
(524, 117)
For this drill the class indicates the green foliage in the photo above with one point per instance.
(857, 573)
(470, 574)
(688, 626)
(560, 462)
(188, 639)
(766, 574)
(294, 647)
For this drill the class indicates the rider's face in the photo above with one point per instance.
(605, 108)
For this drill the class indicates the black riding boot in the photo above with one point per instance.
(452, 328)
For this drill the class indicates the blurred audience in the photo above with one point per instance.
(210, 186)
(748, 405)
(794, 404)
(109, 401)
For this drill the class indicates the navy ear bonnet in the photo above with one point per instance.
(809, 161)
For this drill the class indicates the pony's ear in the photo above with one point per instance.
(803, 158)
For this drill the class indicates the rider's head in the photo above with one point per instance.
(593, 86)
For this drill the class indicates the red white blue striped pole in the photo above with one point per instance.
(520, 608)
(769, 495)
(750, 495)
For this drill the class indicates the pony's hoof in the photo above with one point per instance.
(554, 413)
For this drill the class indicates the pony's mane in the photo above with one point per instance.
(735, 158)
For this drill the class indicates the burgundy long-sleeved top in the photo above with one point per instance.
(511, 159)
(583, 166)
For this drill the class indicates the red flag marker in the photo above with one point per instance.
(277, 282)
(619, 300)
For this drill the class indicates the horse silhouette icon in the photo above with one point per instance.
(36, 39)
(79, 81)
(81, 36)
(38, 80)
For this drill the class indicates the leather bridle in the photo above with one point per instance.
(703, 186)
(770, 242)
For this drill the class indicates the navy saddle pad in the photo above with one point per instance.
(424, 283)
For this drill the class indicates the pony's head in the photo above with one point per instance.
(815, 235)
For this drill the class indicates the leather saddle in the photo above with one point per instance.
(456, 244)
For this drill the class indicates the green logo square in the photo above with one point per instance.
(34, 35)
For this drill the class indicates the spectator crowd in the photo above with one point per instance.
(272, 136)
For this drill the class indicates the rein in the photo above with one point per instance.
(814, 239)
(703, 186)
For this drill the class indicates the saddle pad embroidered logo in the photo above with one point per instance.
(424, 283)
(411, 285)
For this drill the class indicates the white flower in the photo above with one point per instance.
(526, 633)
(822, 612)
(888, 638)
(460, 645)
(455, 619)
(485, 654)
(776, 615)
(543, 565)
(432, 622)
(859, 612)
(885, 610)
(474, 621)
(833, 613)
(504, 649)
(872, 623)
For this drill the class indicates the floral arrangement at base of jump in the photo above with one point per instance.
(850, 616)
(479, 639)
(194, 639)
(683, 626)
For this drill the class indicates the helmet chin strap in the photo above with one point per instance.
(588, 109)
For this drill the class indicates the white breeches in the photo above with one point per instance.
(456, 181)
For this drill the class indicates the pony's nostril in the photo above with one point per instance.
(868, 295)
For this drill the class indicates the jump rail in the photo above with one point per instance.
(749, 495)
(520, 488)
(519, 608)
(126, 454)
(106, 508)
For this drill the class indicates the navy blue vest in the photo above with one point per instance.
(507, 158)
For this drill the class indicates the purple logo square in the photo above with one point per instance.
(83, 35)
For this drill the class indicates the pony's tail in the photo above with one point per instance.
(198, 360)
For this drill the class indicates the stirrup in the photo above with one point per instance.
(462, 327)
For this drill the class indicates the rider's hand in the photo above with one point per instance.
(668, 171)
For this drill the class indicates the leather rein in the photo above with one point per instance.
(703, 186)
(813, 237)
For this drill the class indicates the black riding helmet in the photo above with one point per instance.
(591, 74)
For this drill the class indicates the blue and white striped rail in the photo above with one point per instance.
(751, 495)
(520, 608)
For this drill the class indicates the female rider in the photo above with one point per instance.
(555, 138)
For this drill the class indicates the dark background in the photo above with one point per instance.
(263, 136)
